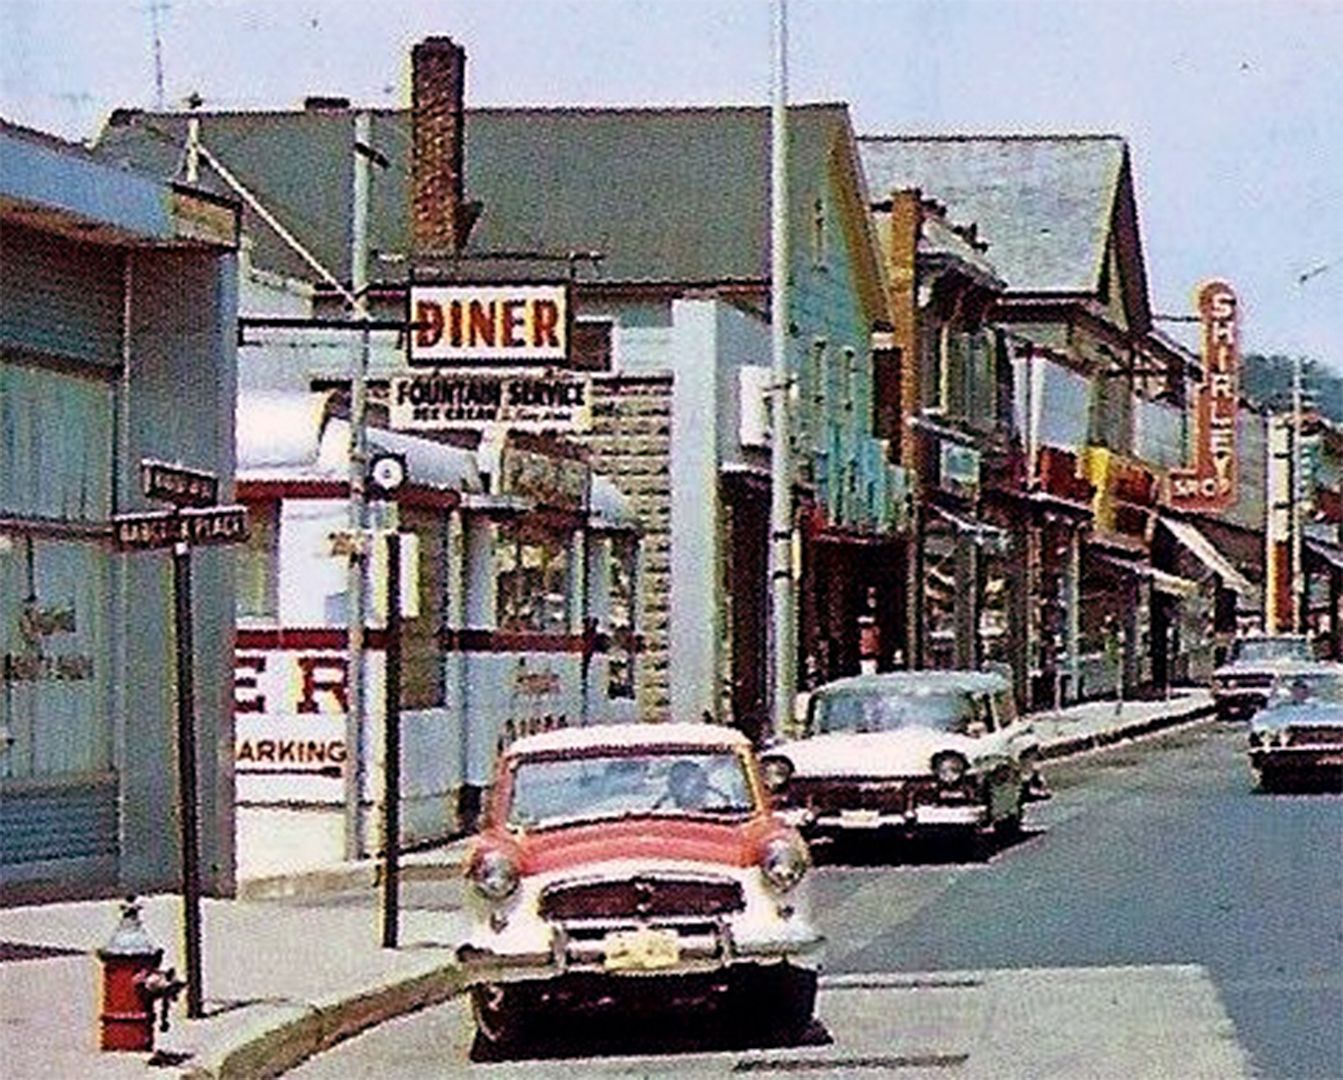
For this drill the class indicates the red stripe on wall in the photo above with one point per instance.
(331, 639)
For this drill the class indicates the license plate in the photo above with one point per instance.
(641, 950)
(859, 819)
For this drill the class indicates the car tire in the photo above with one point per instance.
(780, 999)
(499, 1021)
(1008, 829)
(1271, 781)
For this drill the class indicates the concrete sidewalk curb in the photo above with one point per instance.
(275, 1044)
(1080, 744)
(333, 879)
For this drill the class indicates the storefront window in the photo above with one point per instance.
(532, 579)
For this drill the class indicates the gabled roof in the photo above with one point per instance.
(666, 195)
(1048, 205)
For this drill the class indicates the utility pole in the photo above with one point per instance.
(354, 719)
(782, 641)
(1299, 605)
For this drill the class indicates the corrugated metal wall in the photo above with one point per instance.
(60, 298)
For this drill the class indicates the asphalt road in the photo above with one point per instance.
(1157, 919)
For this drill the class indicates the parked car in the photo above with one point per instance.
(636, 866)
(921, 753)
(1241, 686)
(1298, 738)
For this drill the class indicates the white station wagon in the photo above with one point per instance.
(916, 753)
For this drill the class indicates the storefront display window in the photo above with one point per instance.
(532, 579)
(624, 567)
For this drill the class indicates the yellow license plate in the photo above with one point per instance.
(860, 819)
(641, 950)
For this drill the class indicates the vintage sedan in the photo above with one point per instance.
(1241, 687)
(1298, 738)
(921, 753)
(636, 867)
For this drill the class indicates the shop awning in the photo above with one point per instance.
(1325, 551)
(1202, 549)
(1162, 580)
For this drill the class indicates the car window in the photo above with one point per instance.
(552, 791)
(983, 711)
(1259, 650)
(940, 710)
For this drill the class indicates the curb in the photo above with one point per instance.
(1096, 740)
(361, 875)
(275, 1046)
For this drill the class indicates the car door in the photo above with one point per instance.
(991, 754)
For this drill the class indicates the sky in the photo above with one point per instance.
(1233, 108)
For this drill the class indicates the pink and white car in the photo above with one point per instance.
(635, 867)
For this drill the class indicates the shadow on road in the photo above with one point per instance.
(647, 1036)
(880, 849)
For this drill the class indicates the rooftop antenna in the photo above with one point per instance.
(154, 7)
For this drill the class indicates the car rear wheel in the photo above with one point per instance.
(780, 998)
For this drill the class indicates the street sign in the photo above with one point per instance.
(178, 485)
(166, 528)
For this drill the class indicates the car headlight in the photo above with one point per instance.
(494, 875)
(950, 767)
(776, 772)
(784, 863)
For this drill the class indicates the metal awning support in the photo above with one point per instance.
(1326, 552)
(1162, 580)
(981, 532)
(1203, 549)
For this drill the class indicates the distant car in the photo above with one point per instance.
(937, 753)
(1298, 738)
(637, 867)
(1241, 687)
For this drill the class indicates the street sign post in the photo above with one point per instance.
(194, 521)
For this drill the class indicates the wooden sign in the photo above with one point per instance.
(167, 528)
(1210, 484)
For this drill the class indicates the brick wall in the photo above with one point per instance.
(630, 442)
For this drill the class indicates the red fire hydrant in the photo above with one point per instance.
(133, 985)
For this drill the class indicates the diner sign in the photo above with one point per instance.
(489, 325)
(519, 402)
(1210, 484)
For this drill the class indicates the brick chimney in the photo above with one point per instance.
(438, 78)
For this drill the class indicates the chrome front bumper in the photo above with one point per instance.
(924, 816)
(702, 945)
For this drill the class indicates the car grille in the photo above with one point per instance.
(641, 897)
(832, 794)
(1315, 735)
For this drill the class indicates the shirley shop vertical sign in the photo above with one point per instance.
(1210, 485)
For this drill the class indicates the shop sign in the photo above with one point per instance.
(1210, 484)
(33, 661)
(1125, 492)
(960, 467)
(489, 325)
(549, 479)
(553, 402)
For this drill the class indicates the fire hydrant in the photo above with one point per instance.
(133, 985)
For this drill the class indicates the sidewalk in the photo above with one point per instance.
(284, 980)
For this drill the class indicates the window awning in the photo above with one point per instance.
(981, 532)
(1203, 549)
(1162, 580)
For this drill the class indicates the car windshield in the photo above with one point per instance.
(1258, 650)
(940, 710)
(1310, 687)
(554, 791)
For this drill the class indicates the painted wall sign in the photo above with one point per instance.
(489, 324)
(34, 660)
(1210, 484)
(289, 737)
(538, 403)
